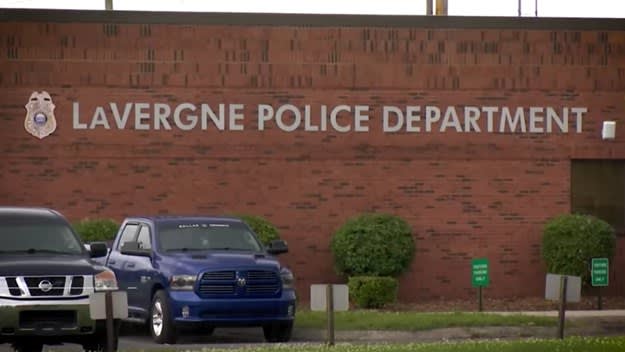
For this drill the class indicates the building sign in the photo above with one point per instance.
(599, 271)
(339, 118)
(40, 120)
(479, 272)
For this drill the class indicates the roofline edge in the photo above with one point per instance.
(308, 20)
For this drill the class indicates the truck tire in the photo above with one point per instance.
(278, 332)
(162, 325)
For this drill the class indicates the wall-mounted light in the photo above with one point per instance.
(609, 130)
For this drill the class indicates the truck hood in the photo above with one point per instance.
(195, 262)
(42, 265)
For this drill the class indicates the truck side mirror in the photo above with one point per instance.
(277, 247)
(98, 249)
(133, 248)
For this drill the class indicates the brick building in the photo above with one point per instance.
(475, 130)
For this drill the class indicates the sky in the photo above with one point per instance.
(546, 8)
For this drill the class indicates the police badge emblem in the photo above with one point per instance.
(40, 121)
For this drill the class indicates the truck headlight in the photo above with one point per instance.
(287, 279)
(182, 282)
(105, 281)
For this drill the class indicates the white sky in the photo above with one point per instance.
(546, 8)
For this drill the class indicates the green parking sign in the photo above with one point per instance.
(479, 272)
(599, 269)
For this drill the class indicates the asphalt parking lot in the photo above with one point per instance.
(588, 323)
(136, 339)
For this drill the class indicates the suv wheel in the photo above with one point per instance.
(161, 323)
(278, 332)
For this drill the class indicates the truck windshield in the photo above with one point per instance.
(38, 237)
(206, 236)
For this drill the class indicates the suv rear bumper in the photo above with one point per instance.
(51, 318)
(232, 312)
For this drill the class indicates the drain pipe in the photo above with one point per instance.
(536, 7)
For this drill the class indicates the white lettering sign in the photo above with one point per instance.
(340, 118)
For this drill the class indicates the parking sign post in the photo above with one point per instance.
(564, 289)
(330, 312)
(329, 298)
(479, 277)
(599, 269)
(562, 307)
(110, 333)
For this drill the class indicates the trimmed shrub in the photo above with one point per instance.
(372, 291)
(265, 230)
(373, 245)
(96, 230)
(570, 242)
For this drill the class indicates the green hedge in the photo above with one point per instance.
(570, 242)
(373, 245)
(372, 291)
(96, 230)
(265, 230)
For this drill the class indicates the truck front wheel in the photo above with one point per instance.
(161, 323)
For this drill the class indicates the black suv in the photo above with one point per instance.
(47, 278)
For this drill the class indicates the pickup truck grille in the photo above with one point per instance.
(212, 289)
(219, 275)
(47, 286)
(256, 289)
(252, 284)
(258, 275)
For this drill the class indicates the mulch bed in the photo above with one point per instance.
(508, 304)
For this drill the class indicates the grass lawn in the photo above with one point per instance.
(571, 344)
(412, 321)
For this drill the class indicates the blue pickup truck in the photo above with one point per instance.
(201, 273)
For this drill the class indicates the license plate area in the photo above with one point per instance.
(47, 319)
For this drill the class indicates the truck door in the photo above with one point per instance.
(140, 273)
(116, 260)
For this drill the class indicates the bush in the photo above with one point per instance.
(372, 291)
(265, 230)
(373, 245)
(571, 241)
(96, 230)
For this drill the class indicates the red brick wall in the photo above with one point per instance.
(465, 194)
